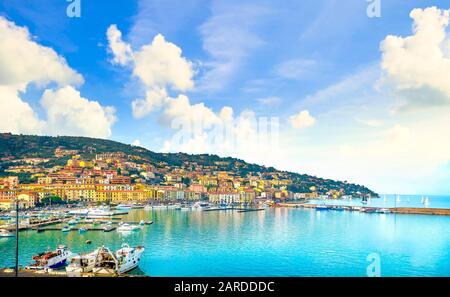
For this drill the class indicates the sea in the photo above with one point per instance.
(274, 242)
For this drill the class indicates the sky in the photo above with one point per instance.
(355, 90)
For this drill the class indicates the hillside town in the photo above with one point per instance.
(115, 177)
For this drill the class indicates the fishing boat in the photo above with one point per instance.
(6, 233)
(124, 260)
(52, 259)
(66, 229)
(82, 263)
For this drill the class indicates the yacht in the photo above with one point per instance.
(125, 259)
(53, 259)
(6, 233)
(124, 207)
(79, 212)
(99, 213)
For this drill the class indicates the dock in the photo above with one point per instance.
(89, 228)
(251, 209)
(424, 211)
(365, 208)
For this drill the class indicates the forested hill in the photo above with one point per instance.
(14, 148)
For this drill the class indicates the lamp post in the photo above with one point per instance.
(17, 238)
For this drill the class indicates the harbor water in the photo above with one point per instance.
(274, 242)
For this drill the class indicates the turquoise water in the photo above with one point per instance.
(392, 201)
(276, 242)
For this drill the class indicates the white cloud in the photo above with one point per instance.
(302, 120)
(136, 142)
(69, 113)
(159, 65)
(16, 115)
(418, 66)
(23, 61)
(122, 52)
(154, 98)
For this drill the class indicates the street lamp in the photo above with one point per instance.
(17, 237)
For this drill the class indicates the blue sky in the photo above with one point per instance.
(260, 58)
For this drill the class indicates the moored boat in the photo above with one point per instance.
(6, 233)
(82, 263)
(52, 259)
(124, 260)
(127, 228)
(322, 207)
(66, 229)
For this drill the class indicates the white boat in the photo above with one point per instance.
(82, 230)
(148, 207)
(79, 212)
(426, 202)
(107, 227)
(127, 228)
(123, 207)
(99, 213)
(201, 206)
(160, 206)
(137, 206)
(185, 208)
(66, 229)
(72, 222)
(82, 263)
(125, 259)
(6, 233)
(53, 259)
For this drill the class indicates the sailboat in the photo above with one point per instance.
(423, 200)
(398, 198)
(385, 199)
(426, 202)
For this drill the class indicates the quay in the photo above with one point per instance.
(425, 211)
(393, 210)
(9, 272)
